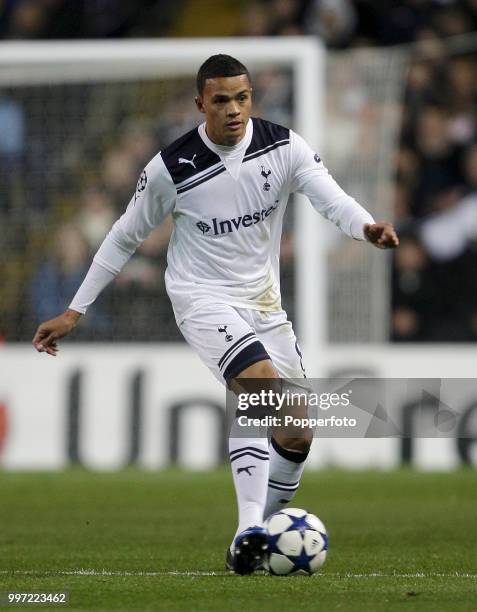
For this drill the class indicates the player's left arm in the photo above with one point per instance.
(310, 177)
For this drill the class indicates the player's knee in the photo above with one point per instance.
(300, 443)
(261, 369)
(260, 376)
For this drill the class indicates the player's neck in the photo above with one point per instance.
(222, 141)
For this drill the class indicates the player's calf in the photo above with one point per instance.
(287, 461)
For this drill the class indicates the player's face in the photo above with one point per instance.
(227, 104)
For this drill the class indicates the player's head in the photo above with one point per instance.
(225, 97)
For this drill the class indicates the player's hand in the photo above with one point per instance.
(381, 235)
(49, 332)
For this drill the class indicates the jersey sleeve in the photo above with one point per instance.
(152, 201)
(311, 178)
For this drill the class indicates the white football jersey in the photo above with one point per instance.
(227, 205)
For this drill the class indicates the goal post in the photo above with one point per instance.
(56, 63)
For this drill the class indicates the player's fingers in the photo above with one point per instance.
(373, 231)
(388, 239)
(47, 344)
(38, 337)
(39, 345)
(50, 350)
(375, 234)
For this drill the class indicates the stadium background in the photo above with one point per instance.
(126, 396)
(399, 134)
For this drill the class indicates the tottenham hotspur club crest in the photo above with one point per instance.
(222, 329)
(266, 174)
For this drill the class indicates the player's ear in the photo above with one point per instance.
(199, 102)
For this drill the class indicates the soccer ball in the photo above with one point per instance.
(297, 543)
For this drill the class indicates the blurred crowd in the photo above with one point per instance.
(435, 284)
(340, 23)
(66, 19)
(58, 207)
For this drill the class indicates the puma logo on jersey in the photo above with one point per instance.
(227, 226)
(183, 160)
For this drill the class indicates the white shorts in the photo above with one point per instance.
(230, 339)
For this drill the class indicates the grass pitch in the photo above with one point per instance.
(156, 541)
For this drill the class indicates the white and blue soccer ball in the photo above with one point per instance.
(297, 543)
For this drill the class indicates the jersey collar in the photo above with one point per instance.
(224, 151)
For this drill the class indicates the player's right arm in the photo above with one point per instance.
(153, 200)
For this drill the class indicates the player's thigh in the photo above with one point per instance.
(276, 334)
(224, 340)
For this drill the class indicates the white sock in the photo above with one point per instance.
(286, 468)
(249, 461)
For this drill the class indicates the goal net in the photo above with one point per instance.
(78, 121)
(364, 91)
